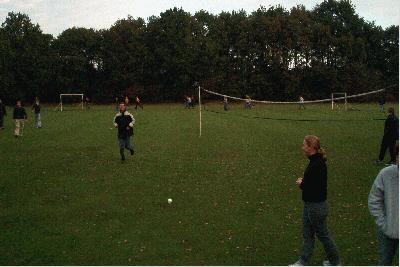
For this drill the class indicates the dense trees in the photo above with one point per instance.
(271, 53)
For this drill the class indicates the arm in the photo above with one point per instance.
(376, 203)
(115, 121)
(132, 122)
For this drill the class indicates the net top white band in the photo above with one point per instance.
(298, 102)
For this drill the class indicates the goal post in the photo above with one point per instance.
(66, 95)
(339, 96)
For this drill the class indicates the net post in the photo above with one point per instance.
(345, 101)
(199, 112)
(61, 101)
(82, 101)
(332, 100)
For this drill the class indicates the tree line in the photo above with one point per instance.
(272, 53)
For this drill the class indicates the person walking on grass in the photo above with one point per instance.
(124, 121)
(382, 102)
(315, 212)
(36, 108)
(226, 107)
(19, 117)
(301, 105)
(383, 204)
(3, 112)
(390, 136)
(138, 102)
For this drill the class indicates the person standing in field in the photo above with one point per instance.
(189, 102)
(315, 212)
(390, 136)
(138, 103)
(36, 108)
(248, 104)
(3, 112)
(19, 117)
(383, 204)
(226, 107)
(382, 102)
(126, 102)
(124, 121)
(301, 106)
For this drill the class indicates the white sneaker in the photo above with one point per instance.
(297, 263)
(328, 263)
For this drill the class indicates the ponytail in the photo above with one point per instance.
(313, 141)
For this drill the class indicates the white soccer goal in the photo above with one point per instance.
(336, 97)
(70, 95)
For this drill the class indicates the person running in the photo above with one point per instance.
(138, 103)
(3, 112)
(124, 121)
(19, 117)
(36, 108)
(390, 136)
(383, 204)
(301, 105)
(226, 107)
(315, 212)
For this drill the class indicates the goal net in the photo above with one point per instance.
(71, 101)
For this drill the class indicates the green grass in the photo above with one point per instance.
(66, 199)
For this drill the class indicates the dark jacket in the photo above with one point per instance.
(3, 111)
(122, 122)
(19, 113)
(392, 127)
(315, 178)
(36, 107)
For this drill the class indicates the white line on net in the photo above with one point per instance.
(298, 102)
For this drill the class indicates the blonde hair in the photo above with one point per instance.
(313, 141)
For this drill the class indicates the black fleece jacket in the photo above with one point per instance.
(315, 179)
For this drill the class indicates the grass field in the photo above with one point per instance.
(66, 199)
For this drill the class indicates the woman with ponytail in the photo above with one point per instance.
(315, 212)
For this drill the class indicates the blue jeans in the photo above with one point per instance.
(387, 248)
(124, 143)
(314, 223)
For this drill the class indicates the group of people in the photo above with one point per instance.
(20, 116)
(126, 101)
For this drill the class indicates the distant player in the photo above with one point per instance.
(382, 102)
(19, 117)
(124, 121)
(189, 102)
(192, 102)
(36, 109)
(248, 104)
(301, 104)
(126, 102)
(87, 101)
(138, 103)
(226, 107)
(3, 112)
(390, 136)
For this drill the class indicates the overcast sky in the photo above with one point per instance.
(54, 16)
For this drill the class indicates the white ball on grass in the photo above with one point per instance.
(169, 200)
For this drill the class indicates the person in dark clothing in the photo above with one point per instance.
(3, 112)
(382, 102)
(124, 121)
(315, 212)
(390, 136)
(36, 108)
(19, 116)
(138, 102)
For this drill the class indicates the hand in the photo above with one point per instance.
(299, 181)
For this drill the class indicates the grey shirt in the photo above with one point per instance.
(383, 201)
